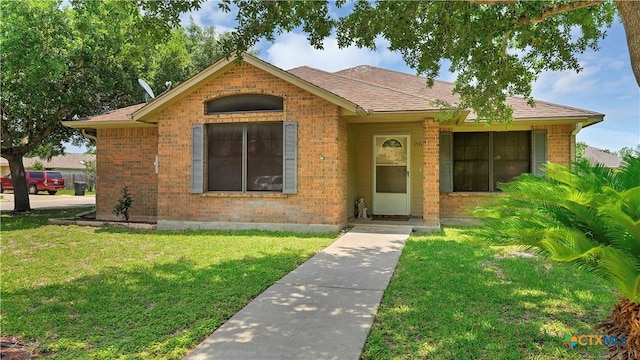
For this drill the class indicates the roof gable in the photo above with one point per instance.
(145, 113)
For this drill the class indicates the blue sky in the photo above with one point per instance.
(606, 84)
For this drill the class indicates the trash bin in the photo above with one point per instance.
(80, 186)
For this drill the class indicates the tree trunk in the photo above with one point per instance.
(630, 15)
(624, 321)
(20, 190)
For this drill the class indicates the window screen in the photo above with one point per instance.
(471, 161)
(482, 160)
(225, 157)
(264, 157)
(511, 155)
(245, 157)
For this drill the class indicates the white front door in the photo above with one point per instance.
(391, 175)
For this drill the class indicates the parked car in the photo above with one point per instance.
(37, 180)
(267, 183)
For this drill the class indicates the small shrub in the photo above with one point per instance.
(38, 165)
(121, 209)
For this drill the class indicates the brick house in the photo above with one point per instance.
(249, 145)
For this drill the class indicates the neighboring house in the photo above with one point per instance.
(70, 165)
(249, 145)
(4, 167)
(596, 155)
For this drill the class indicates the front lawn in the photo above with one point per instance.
(76, 292)
(454, 296)
(73, 192)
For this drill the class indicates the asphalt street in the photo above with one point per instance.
(46, 201)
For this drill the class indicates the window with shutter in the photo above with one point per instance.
(480, 161)
(247, 157)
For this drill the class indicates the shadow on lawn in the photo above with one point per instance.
(160, 310)
(36, 218)
(454, 300)
(226, 233)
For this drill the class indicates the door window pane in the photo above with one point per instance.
(391, 151)
(391, 179)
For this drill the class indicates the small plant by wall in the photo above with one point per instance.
(121, 210)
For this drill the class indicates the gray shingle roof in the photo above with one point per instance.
(596, 155)
(117, 114)
(382, 90)
(66, 161)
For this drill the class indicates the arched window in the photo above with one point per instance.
(245, 103)
(392, 143)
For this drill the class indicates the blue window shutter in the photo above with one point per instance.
(290, 158)
(197, 158)
(446, 162)
(539, 151)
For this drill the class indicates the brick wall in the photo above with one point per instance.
(558, 142)
(126, 158)
(431, 173)
(322, 156)
(459, 205)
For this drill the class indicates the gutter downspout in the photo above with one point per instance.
(573, 142)
(89, 136)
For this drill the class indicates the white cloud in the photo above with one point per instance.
(292, 50)
(568, 81)
(211, 14)
(617, 64)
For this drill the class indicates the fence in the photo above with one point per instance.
(71, 179)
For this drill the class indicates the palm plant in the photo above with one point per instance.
(589, 216)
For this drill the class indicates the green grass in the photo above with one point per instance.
(453, 296)
(108, 293)
(73, 192)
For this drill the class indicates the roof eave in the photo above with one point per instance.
(586, 120)
(105, 124)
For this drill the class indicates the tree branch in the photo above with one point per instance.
(558, 10)
(493, 2)
(7, 139)
(505, 44)
(25, 148)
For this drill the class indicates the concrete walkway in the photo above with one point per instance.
(321, 310)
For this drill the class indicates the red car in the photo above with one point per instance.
(37, 180)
